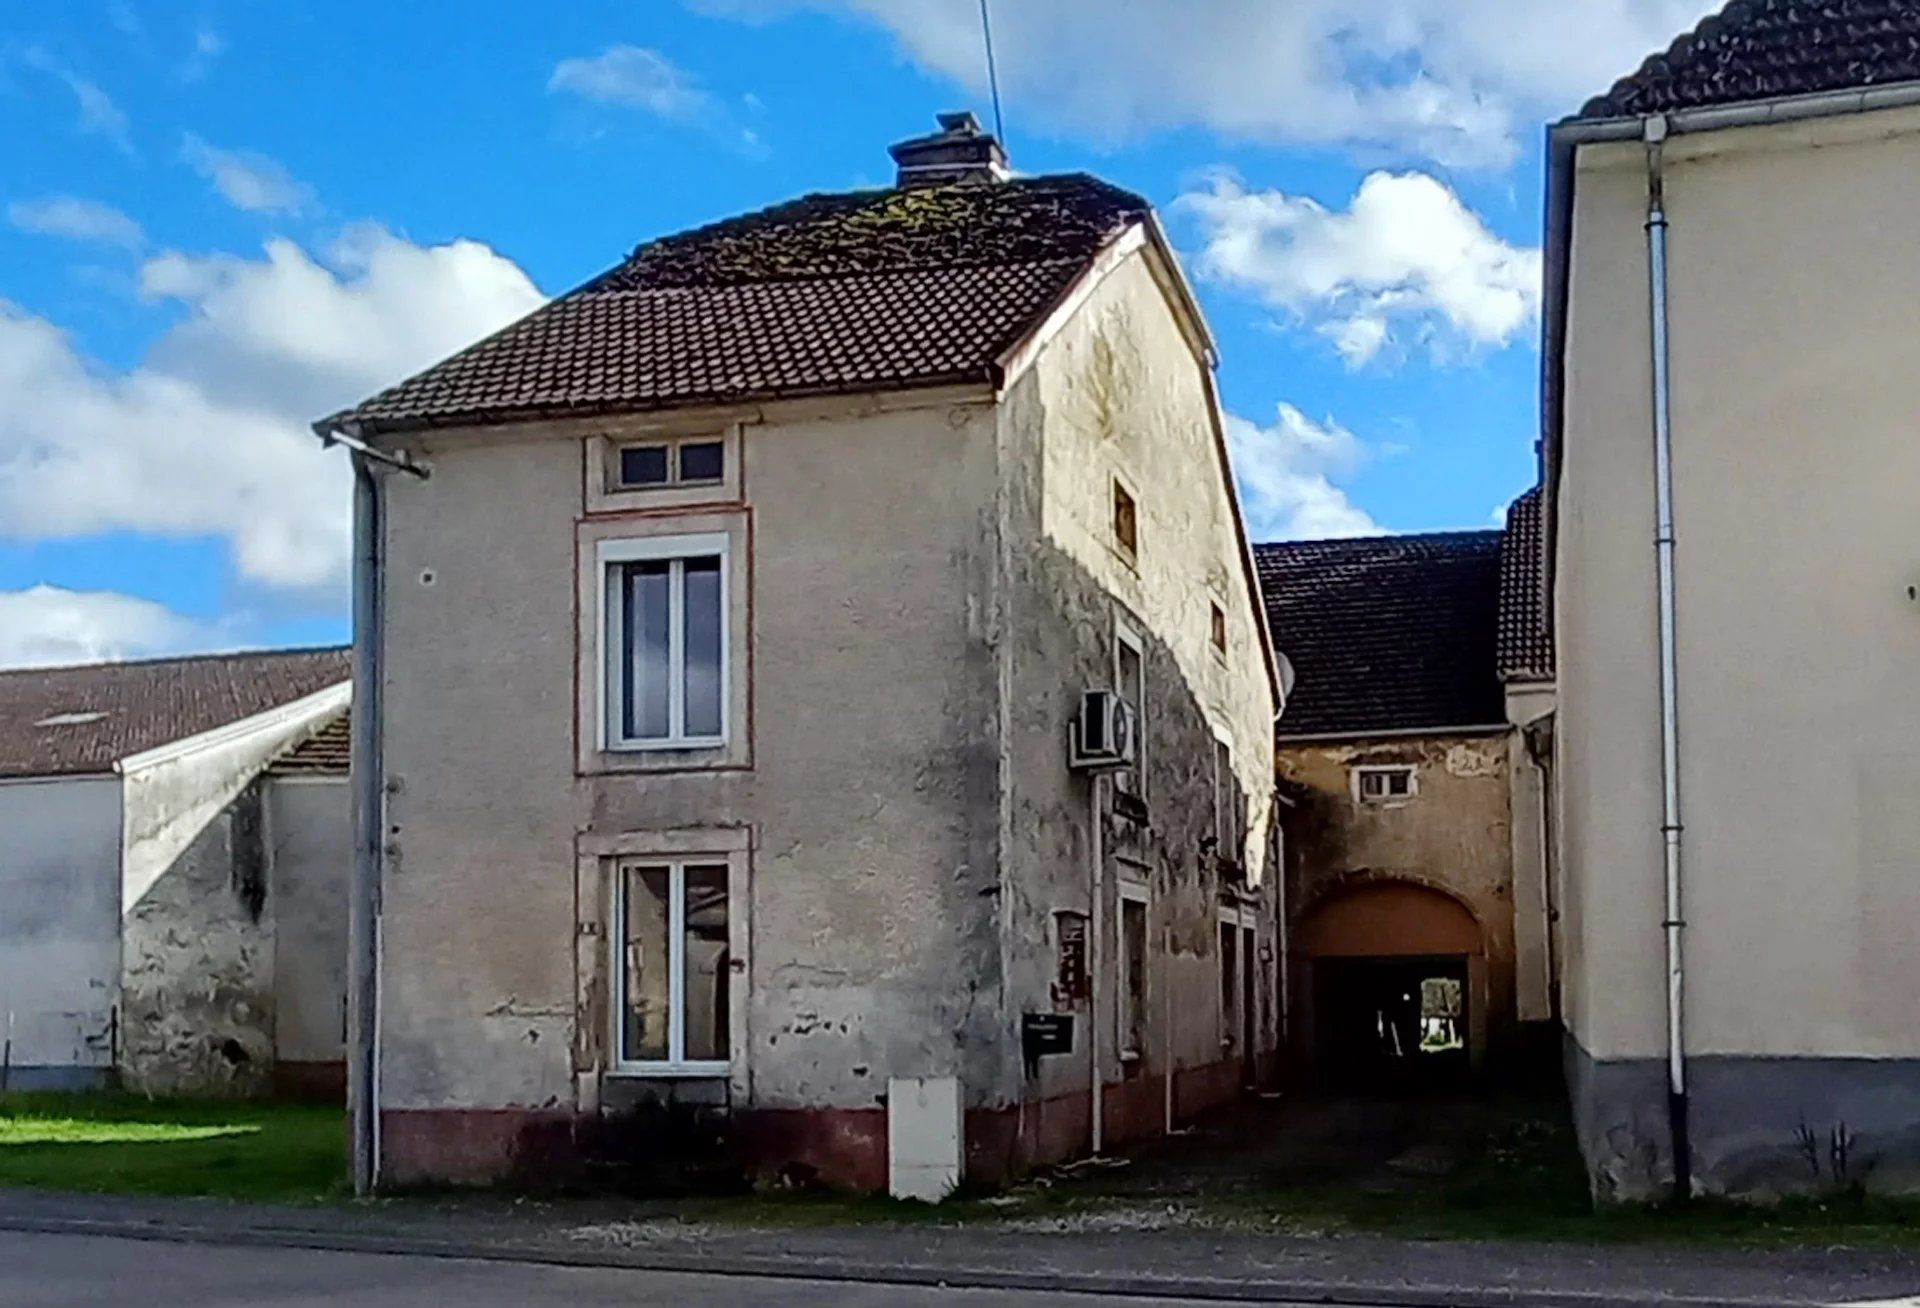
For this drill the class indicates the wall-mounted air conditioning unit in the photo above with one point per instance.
(1104, 734)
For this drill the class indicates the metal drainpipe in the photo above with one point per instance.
(363, 916)
(1096, 917)
(1671, 827)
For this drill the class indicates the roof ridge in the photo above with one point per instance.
(840, 274)
(1386, 537)
(149, 660)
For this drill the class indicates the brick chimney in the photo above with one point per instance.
(958, 152)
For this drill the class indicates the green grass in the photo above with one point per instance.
(124, 1144)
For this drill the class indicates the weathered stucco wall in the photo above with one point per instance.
(1536, 888)
(1794, 467)
(196, 929)
(60, 928)
(1119, 392)
(864, 551)
(1453, 834)
(310, 866)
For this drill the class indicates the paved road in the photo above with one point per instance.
(45, 1271)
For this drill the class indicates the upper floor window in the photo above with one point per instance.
(1130, 683)
(1383, 785)
(1226, 803)
(664, 601)
(1126, 521)
(1217, 631)
(695, 461)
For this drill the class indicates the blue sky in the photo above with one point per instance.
(220, 219)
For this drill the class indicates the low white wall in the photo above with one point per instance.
(310, 844)
(59, 927)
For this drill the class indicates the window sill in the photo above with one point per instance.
(671, 1071)
(1128, 1057)
(689, 745)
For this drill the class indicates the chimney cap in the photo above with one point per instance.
(959, 152)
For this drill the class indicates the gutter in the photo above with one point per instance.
(1563, 143)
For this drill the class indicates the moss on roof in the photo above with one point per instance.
(960, 225)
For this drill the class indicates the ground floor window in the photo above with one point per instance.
(1133, 970)
(1229, 984)
(672, 973)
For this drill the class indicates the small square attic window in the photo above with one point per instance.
(696, 462)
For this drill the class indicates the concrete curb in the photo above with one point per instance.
(1349, 1294)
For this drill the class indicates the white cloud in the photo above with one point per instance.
(1457, 81)
(76, 220)
(246, 179)
(1286, 474)
(631, 77)
(1405, 265)
(208, 45)
(99, 115)
(45, 625)
(209, 433)
(636, 78)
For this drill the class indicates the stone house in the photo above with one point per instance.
(1415, 954)
(736, 754)
(1731, 474)
(173, 866)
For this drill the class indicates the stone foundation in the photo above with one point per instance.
(1760, 1128)
(842, 1148)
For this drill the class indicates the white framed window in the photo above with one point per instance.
(664, 642)
(1130, 683)
(1133, 931)
(672, 967)
(647, 465)
(1385, 785)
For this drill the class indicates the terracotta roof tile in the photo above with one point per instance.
(1525, 641)
(328, 752)
(59, 721)
(1386, 633)
(867, 291)
(1766, 49)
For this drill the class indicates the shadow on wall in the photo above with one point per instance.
(196, 992)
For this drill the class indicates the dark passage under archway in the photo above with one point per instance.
(1396, 980)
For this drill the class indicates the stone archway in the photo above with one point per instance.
(1391, 973)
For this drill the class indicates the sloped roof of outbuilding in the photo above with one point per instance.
(1386, 633)
(328, 752)
(66, 720)
(863, 291)
(1768, 49)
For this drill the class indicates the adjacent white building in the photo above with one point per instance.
(168, 828)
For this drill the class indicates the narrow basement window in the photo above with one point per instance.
(1126, 522)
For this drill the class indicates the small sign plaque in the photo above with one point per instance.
(1043, 1035)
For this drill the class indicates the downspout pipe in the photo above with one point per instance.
(1673, 924)
(369, 795)
(363, 911)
